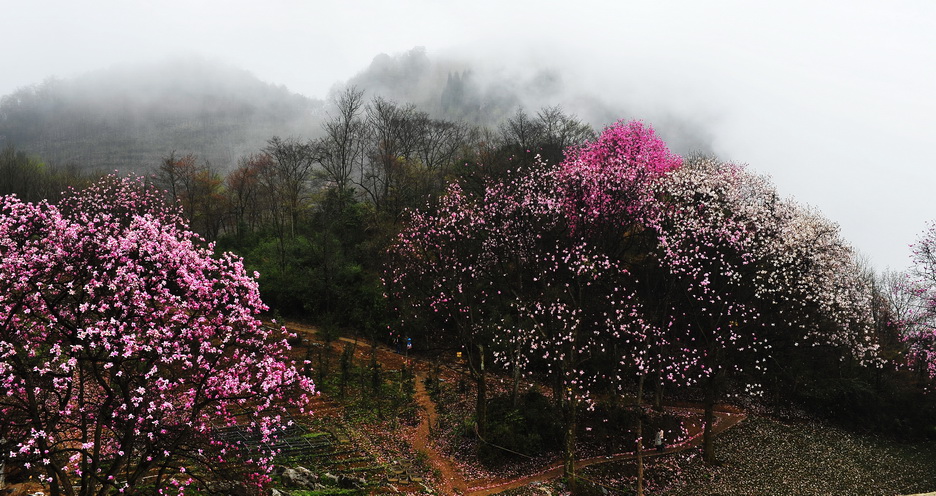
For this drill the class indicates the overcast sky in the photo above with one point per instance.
(835, 100)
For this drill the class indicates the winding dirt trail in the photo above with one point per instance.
(453, 482)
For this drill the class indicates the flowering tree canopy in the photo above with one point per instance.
(518, 265)
(126, 344)
(921, 337)
(751, 271)
(626, 260)
(606, 184)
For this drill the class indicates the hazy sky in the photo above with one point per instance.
(835, 100)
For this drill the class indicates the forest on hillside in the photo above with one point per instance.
(598, 265)
(125, 118)
(317, 217)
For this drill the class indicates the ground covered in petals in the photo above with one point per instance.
(766, 456)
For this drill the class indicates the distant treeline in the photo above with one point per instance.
(33, 180)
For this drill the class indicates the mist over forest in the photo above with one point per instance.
(129, 117)
(583, 290)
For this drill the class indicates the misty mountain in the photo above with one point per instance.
(481, 92)
(128, 117)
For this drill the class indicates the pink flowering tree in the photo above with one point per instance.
(608, 194)
(920, 337)
(438, 274)
(605, 186)
(605, 194)
(126, 344)
(573, 306)
(523, 264)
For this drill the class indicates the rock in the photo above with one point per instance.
(299, 477)
(329, 479)
(346, 482)
(228, 488)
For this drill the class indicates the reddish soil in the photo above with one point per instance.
(452, 481)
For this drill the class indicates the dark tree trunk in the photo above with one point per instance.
(640, 464)
(658, 393)
(708, 434)
(479, 373)
(569, 444)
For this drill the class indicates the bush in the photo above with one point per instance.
(529, 429)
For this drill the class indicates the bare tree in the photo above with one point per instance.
(522, 131)
(393, 135)
(176, 175)
(293, 164)
(561, 130)
(244, 192)
(342, 148)
(440, 142)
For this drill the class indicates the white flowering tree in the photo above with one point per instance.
(751, 272)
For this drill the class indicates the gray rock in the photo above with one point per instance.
(329, 479)
(299, 477)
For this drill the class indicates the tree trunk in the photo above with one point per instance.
(708, 434)
(569, 447)
(658, 393)
(515, 390)
(637, 404)
(479, 373)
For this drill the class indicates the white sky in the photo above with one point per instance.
(834, 99)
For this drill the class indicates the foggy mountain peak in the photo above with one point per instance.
(486, 92)
(127, 117)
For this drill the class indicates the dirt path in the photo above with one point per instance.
(452, 480)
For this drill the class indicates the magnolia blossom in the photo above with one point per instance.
(126, 343)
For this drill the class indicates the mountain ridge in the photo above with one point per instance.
(128, 117)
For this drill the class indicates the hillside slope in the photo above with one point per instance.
(128, 117)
